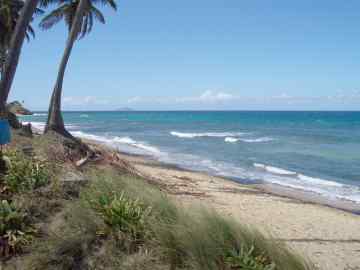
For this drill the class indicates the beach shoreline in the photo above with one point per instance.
(326, 234)
(266, 187)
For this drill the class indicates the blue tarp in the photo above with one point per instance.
(5, 136)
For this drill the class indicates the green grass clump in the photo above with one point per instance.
(245, 259)
(123, 213)
(25, 173)
(15, 231)
(185, 238)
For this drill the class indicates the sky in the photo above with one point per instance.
(203, 55)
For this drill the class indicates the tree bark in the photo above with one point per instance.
(55, 120)
(16, 43)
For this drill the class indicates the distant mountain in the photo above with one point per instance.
(125, 109)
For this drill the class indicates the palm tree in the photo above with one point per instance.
(9, 15)
(16, 16)
(79, 16)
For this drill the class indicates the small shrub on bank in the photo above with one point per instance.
(122, 213)
(15, 231)
(246, 259)
(25, 173)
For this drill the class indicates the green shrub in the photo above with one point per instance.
(15, 231)
(246, 259)
(25, 173)
(122, 213)
(191, 238)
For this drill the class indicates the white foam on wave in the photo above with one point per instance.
(40, 114)
(205, 134)
(117, 142)
(257, 140)
(40, 126)
(298, 176)
(274, 170)
(231, 139)
(37, 125)
(319, 181)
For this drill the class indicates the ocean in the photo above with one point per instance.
(318, 152)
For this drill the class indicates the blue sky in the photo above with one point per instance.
(204, 54)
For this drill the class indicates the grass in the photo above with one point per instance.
(24, 173)
(15, 229)
(121, 221)
(196, 239)
(123, 213)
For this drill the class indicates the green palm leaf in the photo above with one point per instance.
(66, 11)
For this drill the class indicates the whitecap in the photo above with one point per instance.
(118, 142)
(318, 181)
(257, 140)
(40, 126)
(205, 134)
(231, 139)
(274, 170)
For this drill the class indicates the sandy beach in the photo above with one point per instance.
(328, 236)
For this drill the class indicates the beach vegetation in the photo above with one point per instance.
(183, 238)
(24, 173)
(123, 221)
(123, 213)
(15, 229)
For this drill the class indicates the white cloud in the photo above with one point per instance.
(212, 96)
(85, 100)
(134, 100)
(212, 99)
(208, 96)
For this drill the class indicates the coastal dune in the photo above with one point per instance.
(327, 236)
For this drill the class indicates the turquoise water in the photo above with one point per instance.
(312, 151)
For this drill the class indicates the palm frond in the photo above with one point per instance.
(84, 27)
(110, 3)
(27, 36)
(98, 15)
(39, 11)
(31, 31)
(91, 22)
(47, 3)
(69, 15)
(52, 18)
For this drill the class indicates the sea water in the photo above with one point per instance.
(317, 152)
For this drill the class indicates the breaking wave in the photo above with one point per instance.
(205, 134)
(256, 140)
(135, 146)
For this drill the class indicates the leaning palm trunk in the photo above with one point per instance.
(2, 61)
(12, 59)
(55, 120)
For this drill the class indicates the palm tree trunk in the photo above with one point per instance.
(2, 61)
(55, 120)
(12, 59)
